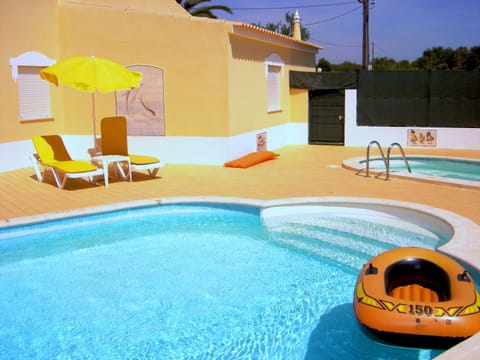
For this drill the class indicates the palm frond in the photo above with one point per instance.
(204, 11)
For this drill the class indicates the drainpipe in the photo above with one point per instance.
(297, 34)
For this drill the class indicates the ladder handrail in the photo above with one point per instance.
(374, 142)
(392, 145)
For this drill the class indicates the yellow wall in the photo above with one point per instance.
(25, 25)
(298, 105)
(248, 85)
(215, 83)
(195, 66)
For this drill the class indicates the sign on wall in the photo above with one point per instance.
(262, 141)
(422, 137)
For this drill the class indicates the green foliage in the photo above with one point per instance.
(385, 63)
(325, 65)
(285, 28)
(347, 66)
(205, 11)
(472, 62)
(437, 58)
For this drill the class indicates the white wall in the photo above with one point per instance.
(447, 138)
(15, 155)
(218, 150)
(169, 149)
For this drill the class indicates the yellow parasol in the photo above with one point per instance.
(89, 73)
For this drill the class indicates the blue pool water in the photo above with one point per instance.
(441, 167)
(198, 281)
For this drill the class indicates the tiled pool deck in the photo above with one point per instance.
(300, 171)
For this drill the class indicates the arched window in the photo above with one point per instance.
(274, 70)
(33, 91)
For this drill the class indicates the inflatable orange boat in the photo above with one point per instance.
(416, 294)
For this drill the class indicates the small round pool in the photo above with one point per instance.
(235, 279)
(447, 170)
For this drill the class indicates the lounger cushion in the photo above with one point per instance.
(50, 148)
(114, 142)
(52, 152)
(72, 166)
(252, 159)
(143, 159)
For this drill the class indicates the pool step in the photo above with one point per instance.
(349, 240)
(345, 248)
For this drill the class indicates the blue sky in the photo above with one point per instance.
(399, 29)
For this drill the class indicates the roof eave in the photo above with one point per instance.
(263, 35)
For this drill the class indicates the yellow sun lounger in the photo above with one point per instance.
(114, 142)
(52, 155)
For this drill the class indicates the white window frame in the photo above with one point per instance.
(33, 91)
(274, 73)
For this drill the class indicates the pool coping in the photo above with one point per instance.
(355, 165)
(462, 229)
(458, 246)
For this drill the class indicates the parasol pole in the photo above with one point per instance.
(94, 126)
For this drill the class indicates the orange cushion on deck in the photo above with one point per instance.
(251, 159)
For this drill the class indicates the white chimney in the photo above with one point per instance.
(297, 34)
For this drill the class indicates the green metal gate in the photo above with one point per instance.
(326, 124)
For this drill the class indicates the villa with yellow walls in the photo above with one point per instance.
(216, 88)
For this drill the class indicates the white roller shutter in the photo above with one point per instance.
(34, 95)
(273, 87)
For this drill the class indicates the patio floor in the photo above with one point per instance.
(300, 171)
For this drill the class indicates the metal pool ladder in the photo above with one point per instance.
(386, 160)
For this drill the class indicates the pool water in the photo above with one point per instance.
(198, 281)
(442, 167)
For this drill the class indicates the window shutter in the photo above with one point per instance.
(34, 96)
(273, 84)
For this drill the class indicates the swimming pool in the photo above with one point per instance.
(448, 170)
(202, 280)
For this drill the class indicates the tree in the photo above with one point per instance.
(324, 65)
(347, 66)
(439, 58)
(472, 61)
(384, 63)
(285, 28)
(405, 65)
(461, 55)
(204, 11)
